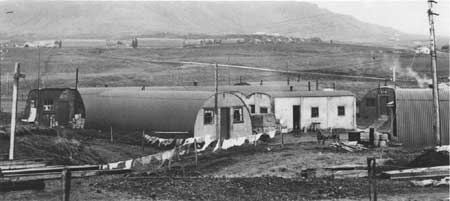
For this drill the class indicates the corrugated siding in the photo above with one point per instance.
(150, 110)
(414, 116)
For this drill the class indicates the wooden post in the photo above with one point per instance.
(111, 135)
(287, 72)
(17, 76)
(436, 119)
(282, 139)
(76, 79)
(142, 142)
(65, 181)
(317, 84)
(196, 154)
(216, 107)
(309, 85)
(371, 167)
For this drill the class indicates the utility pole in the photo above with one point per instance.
(38, 80)
(394, 76)
(229, 71)
(216, 107)
(76, 79)
(1, 60)
(17, 76)
(287, 70)
(436, 120)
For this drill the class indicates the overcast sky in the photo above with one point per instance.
(405, 15)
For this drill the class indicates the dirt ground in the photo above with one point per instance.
(207, 188)
(70, 147)
(263, 172)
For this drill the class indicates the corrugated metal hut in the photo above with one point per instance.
(132, 109)
(374, 104)
(413, 117)
(315, 109)
(53, 106)
(233, 117)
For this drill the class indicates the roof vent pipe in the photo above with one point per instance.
(317, 84)
(195, 83)
(291, 88)
(309, 85)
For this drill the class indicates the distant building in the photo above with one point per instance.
(422, 50)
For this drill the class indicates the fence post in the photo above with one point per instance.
(142, 142)
(371, 168)
(65, 181)
(111, 134)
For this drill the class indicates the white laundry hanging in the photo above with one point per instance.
(208, 140)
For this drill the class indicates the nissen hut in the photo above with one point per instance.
(233, 119)
(131, 109)
(413, 117)
(54, 107)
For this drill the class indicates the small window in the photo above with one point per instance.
(252, 109)
(263, 110)
(208, 116)
(48, 102)
(238, 116)
(314, 112)
(341, 111)
(370, 102)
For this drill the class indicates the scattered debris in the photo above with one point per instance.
(428, 172)
(428, 182)
(349, 146)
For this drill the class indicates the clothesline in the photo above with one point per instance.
(170, 154)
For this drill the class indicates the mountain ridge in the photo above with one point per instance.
(118, 19)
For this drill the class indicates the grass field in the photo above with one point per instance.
(133, 67)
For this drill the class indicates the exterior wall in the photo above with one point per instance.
(224, 100)
(414, 117)
(305, 108)
(283, 110)
(260, 100)
(348, 121)
(328, 115)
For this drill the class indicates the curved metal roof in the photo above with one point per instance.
(129, 109)
(420, 94)
(310, 93)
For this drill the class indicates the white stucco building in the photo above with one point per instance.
(315, 109)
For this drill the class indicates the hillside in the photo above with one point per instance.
(122, 19)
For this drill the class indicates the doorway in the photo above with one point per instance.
(225, 122)
(383, 105)
(63, 112)
(296, 117)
